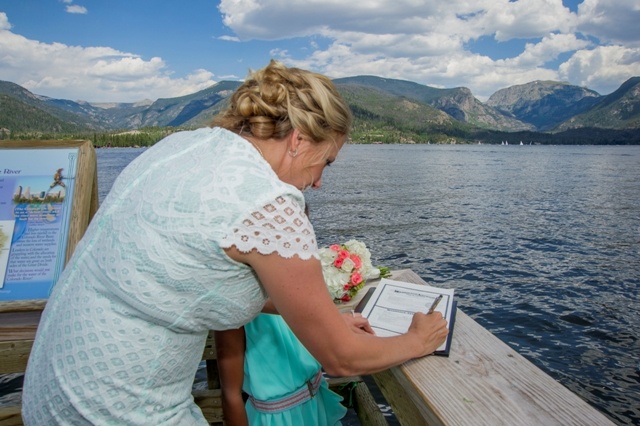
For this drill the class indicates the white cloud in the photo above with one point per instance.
(4, 22)
(430, 42)
(548, 49)
(605, 67)
(425, 41)
(527, 19)
(612, 21)
(105, 74)
(229, 38)
(122, 68)
(281, 19)
(74, 8)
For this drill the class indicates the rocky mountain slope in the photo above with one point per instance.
(459, 102)
(543, 104)
(618, 110)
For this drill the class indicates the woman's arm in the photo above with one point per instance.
(297, 290)
(230, 347)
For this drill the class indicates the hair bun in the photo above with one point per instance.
(275, 100)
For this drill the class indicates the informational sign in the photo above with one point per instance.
(36, 193)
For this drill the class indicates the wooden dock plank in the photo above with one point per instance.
(482, 382)
(10, 416)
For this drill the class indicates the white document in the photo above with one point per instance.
(393, 303)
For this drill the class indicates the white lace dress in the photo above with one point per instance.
(124, 329)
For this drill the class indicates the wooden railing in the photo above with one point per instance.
(482, 382)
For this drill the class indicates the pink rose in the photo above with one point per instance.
(343, 254)
(356, 260)
(356, 278)
(335, 247)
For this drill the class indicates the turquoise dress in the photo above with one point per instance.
(277, 368)
(124, 329)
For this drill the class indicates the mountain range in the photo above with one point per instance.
(385, 110)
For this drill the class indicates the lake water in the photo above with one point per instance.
(541, 243)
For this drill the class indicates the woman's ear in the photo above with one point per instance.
(295, 140)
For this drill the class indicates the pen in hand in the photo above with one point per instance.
(434, 305)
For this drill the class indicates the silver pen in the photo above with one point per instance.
(434, 305)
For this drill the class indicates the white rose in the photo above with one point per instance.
(327, 256)
(357, 247)
(348, 265)
(373, 274)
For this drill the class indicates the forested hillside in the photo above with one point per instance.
(385, 111)
(19, 118)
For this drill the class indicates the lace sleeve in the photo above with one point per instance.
(280, 226)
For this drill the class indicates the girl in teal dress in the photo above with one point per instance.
(281, 377)
(284, 383)
(267, 362)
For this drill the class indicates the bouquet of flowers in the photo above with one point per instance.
(346, 268)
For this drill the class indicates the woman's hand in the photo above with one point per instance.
(430, 329)
(357, 323)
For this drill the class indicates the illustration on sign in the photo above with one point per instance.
(36, 190)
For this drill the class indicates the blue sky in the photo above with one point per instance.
(131, 50)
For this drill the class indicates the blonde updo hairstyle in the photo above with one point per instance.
(275, 100)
